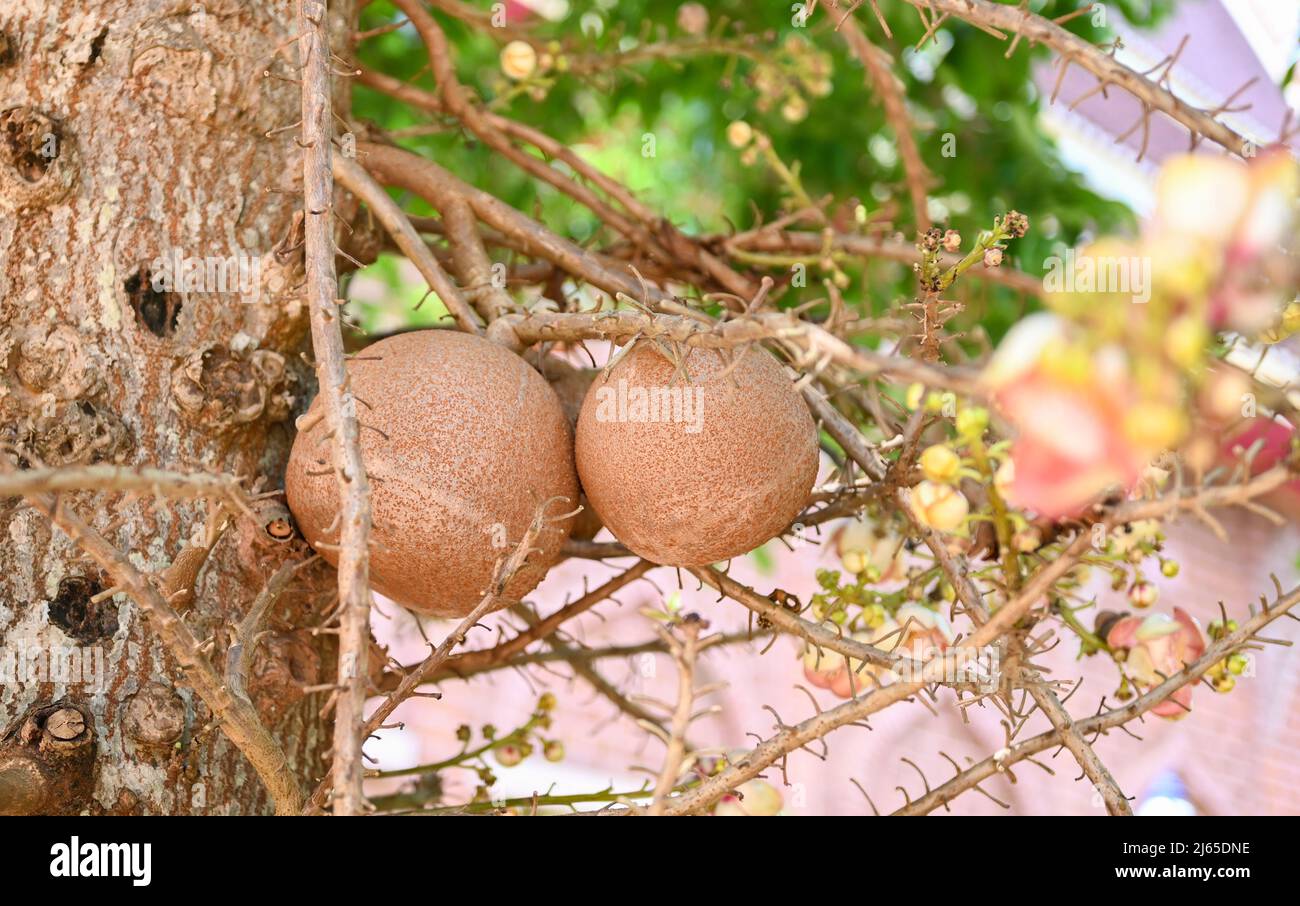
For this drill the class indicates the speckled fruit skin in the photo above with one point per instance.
(473, 438)
(689, 499)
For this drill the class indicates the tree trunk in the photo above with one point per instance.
(133, 140)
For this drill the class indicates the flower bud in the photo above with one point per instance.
(518, 60)
(693, 18)
(509, 755)
(1143, 594)
(1027, 540)
(739, 133)
(753, 798)
(1004, 477)
(938, 506)
(972, 421)
(795, 109)
(939, 463)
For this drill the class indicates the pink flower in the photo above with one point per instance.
(846, 677)
(925, 632)
(1074, 417)
(1158, 646)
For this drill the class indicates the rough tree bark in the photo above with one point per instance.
(133, 135)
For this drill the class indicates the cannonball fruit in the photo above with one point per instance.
(693, 466)
(462, 441)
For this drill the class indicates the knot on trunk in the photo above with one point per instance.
(221, 389)
(53, 411)
(47, 761)
(37, 164)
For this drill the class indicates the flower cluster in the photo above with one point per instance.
(1097, 388)
(799, 70)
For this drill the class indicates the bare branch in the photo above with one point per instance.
(357, 181)
(337, 403)
(1108, 70)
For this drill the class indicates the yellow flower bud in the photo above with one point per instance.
(518, 60)
(972, 421)
(940, 463)
(938, 506)
(1286, 326)
(1185, 341)
(1003, 477)
(915, 395)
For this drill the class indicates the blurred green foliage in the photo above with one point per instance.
(961, 90)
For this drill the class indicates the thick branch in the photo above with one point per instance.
(397, 167)
(787, 621)
(134, 479)
(701, 332)
(1102, 780)
(685, 651)
(471, 662)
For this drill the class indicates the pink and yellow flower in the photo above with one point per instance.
(1080, 428)
(845, 676)
(1156, 647)
(925, 632)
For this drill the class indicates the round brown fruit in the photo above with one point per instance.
(462, 441)
(723, 467)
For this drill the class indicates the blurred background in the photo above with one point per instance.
(1073, 168)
